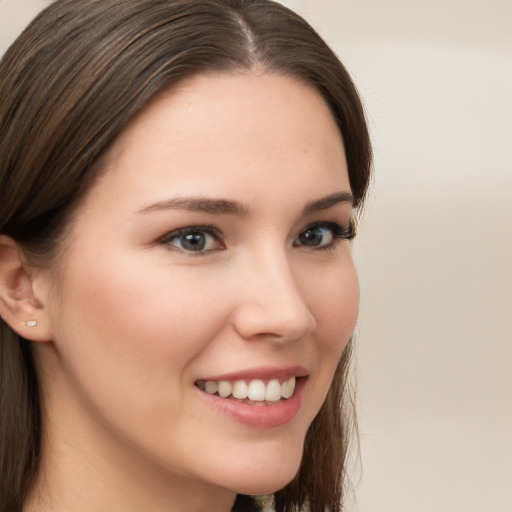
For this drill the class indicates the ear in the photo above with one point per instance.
(25, 313)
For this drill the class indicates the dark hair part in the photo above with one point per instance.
(68, 85)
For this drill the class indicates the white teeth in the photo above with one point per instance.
(256, 391)
(273, 391)
(240, 390)
(288, 388)
(224, 388)
(211, 387)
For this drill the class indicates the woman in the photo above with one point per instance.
(177, 183)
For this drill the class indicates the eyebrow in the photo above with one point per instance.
(327, 202)
(200, 204)
(235, 208)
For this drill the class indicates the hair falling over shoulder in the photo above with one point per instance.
(68, 86)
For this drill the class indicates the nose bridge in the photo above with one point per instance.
(272, 303)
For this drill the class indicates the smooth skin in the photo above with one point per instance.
(133, 313)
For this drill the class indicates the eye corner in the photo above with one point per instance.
(351, 230)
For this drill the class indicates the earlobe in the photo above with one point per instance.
(19, 307)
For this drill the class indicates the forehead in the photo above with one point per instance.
(213, 132)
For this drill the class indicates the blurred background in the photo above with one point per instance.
(434, 250)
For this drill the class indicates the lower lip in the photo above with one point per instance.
(258, 416)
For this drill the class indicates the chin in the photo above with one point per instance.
(264, 487)
(267, 478)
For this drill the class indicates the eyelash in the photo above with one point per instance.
(338, 233)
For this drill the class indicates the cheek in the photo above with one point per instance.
(130, 298)
(138, 329)
(335, 305)
(128, 343)
(333, 298)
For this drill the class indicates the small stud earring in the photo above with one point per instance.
(30, 323)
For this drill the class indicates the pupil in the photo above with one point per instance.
(311, 237)
(194, 241)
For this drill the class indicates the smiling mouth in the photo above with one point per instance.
(252, 392)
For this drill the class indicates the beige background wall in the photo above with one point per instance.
(435, 251)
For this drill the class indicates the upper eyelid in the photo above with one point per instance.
(330, 224)
(180, 231)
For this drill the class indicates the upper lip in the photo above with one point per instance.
(262, 373)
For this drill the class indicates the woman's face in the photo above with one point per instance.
(210, 254)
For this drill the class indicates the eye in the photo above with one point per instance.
(323, 235)
(194, 239)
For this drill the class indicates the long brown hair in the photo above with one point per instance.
(68, 85)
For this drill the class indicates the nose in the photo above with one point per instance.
(271, 304)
